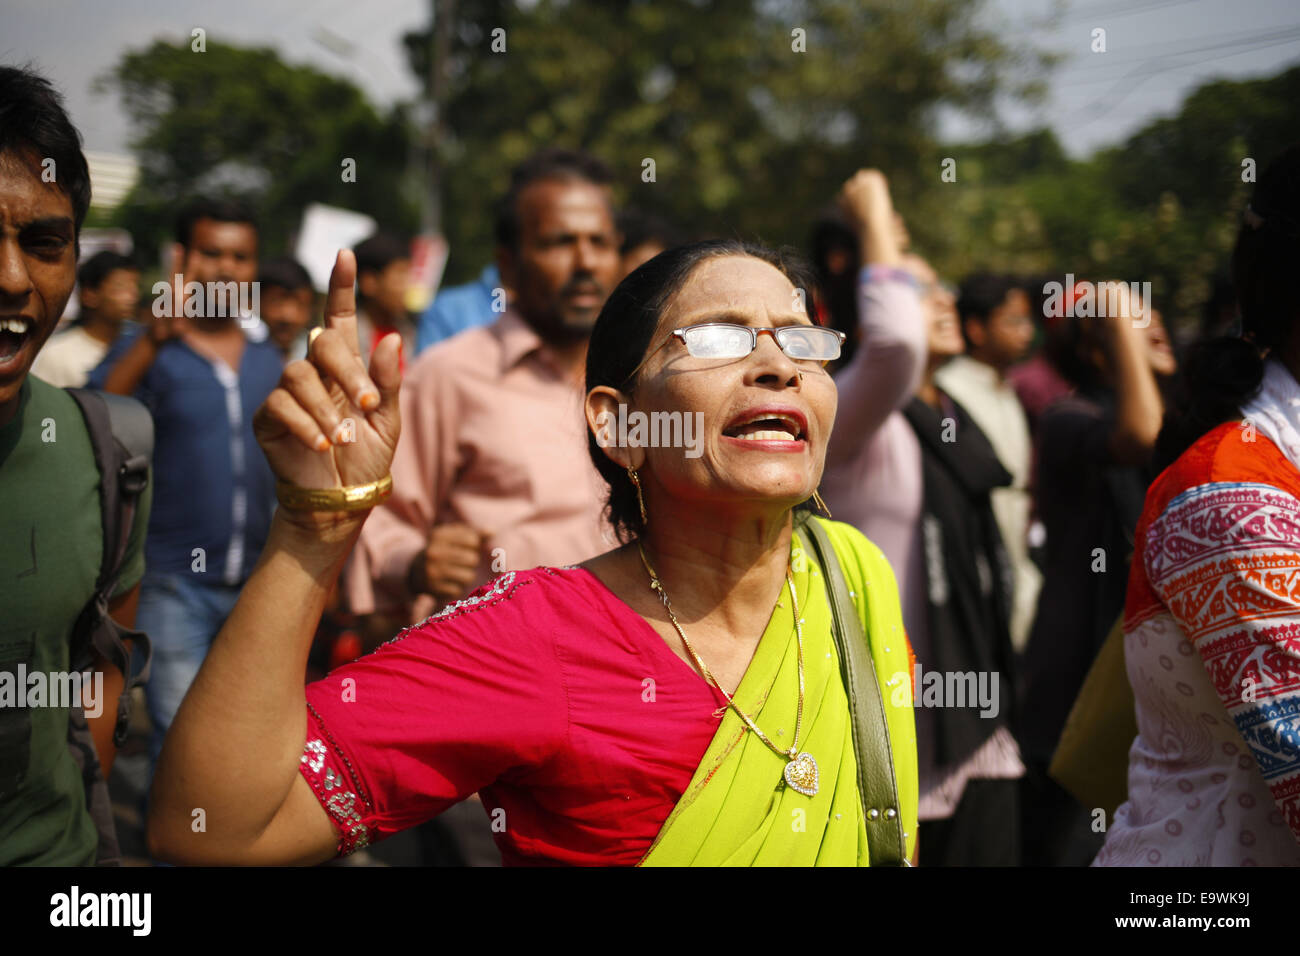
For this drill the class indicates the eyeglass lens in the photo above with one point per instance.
(811, 343)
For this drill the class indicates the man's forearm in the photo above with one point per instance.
(123, 610)
(125, 376)
(102, 726)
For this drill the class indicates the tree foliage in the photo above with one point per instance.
(753, 112)
(241, 122)
(1164, 206)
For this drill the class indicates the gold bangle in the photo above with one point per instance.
(352, 498)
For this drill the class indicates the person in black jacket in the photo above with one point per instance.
(969, 784)
(1094, 451)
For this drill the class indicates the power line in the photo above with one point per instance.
(1122, 9)
(1134, 78)
(1271, 37)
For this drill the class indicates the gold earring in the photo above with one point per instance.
(821, 505)
(636, 480)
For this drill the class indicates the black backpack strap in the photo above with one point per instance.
(871, 747)
(121, 436)
(99, 805)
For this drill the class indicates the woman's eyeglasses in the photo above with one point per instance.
(803, 343)
(722, 340)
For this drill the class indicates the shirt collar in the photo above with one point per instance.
(981, 372)
(517, 338)
(1275, 409)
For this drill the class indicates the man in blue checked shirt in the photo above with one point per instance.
(202, 372)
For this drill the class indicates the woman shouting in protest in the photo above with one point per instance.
(703, 695)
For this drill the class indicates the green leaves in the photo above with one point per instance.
(241, 121)
(1163, 207)
(749, 136)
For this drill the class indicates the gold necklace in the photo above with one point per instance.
(801, 770)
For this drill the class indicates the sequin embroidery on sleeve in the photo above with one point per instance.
(341, 802)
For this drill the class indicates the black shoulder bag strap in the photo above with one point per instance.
(121, 437)
(876, 781)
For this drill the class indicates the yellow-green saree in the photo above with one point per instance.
(737, 810)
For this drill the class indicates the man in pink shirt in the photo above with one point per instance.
(492, 471)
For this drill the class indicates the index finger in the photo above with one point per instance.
(341, 303)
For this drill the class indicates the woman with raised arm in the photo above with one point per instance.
(703, 695)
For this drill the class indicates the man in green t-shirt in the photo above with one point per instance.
(51, 535)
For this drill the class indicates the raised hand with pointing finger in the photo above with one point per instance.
(330, 429)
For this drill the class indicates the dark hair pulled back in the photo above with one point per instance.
(1223, 374)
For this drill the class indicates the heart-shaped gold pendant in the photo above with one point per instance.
(801, 774)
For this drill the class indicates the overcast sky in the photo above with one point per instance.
(1156, 51)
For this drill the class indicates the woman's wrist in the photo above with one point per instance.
(309, 556)
(354, 498)
(317, 532)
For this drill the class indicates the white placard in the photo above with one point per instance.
(325, 230)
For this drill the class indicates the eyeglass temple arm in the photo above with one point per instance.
(677, 333)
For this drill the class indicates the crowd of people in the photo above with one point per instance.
(387, 571)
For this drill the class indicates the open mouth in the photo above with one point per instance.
(764, 425)
(15, 333)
